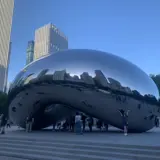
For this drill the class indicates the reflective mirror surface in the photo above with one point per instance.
(93, 82)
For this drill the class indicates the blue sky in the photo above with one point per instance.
(127, 28)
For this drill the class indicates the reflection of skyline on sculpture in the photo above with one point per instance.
(75, 63)
(99, 80)
(85, 77)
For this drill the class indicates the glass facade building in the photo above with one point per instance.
(6, 13)
(48, 40)
(30, 52)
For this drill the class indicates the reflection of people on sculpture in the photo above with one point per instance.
(118, 98)
(59, 126)
(65, 125)
(53, 126)
(150, 116)
(78, 122)
(124, 115)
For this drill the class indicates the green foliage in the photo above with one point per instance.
(156, 79)
(3, 103)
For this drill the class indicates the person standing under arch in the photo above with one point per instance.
(124, 115)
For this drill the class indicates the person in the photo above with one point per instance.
(27, 124)
(70, 123)
(67, 123)
(106, 125)
(31, 121)
(8, 124)
(156, 121)
(90, 123)
(124, 116)
(73, 123)
(78, 119)
(84, 122)
(1, 116)
(3, 123)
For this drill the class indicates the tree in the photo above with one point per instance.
(156, 79)
(3, 103)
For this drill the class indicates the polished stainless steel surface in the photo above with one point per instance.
(90, 81)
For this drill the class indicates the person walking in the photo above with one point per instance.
(78, 122)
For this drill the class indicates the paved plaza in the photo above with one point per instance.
(46, 144)
(114, 135)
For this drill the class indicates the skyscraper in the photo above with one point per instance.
(87, 78)
(30, 52)
(101, 79)
(48, 40)
(6, 13)
(6, 75)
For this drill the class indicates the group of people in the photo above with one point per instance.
(4, 122)
(78, 123)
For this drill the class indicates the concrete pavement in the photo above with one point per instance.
(151, 138)
(16, 144)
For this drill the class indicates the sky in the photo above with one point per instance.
(127, 28)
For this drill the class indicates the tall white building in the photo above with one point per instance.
(48, 40)
(6, 13)
(8, 86)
